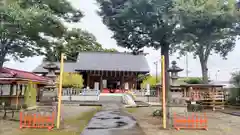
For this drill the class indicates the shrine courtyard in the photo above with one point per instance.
(76, 118)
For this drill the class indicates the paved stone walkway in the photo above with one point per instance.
(112, 121)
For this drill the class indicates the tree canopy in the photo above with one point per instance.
(201, 27)
(235, 79)
(139, 23)
(61, 8)
(206, 27)
(151, 80)
(72, 80)
(73, 42)
(27, 25)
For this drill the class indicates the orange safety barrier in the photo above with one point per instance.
(191, 122)
(36, 121)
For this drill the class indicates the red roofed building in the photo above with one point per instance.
(19, 74)
(14, 83)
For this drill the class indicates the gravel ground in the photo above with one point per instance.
(218, 124)
(9, 127)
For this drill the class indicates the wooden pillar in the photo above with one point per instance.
(122, 82)
(101, 83)
(130, 83)
(185, 92)
(88, 80)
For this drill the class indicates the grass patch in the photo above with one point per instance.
(131, 110)
(72, 126)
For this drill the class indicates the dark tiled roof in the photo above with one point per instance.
(112, 62)
(104, 61)
(68, 67)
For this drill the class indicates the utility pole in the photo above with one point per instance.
(186, 65)
(216, 75)
(156, 64)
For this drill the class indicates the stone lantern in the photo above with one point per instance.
(174, 69)
(51, 67)
(49, 94)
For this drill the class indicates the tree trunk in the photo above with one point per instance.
(1, 62)
(3, 53)
(204, 70)
(165, 52)
(2, 59)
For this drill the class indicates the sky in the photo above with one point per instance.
(219, 69)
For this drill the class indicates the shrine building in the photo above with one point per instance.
(106, 70)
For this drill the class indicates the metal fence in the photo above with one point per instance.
(141, 96)
(80, 94)
(142, 93)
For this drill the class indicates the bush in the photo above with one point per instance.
(194, 108)
(194, 81)
(158, 112)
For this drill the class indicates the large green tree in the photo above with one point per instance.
(206, 27)
(235, 91)
(27, 26)
(73, 42)
(235, 79)
(141, 23)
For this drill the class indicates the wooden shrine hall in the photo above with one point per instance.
(105, 70)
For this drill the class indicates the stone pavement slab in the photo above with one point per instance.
(112, 121)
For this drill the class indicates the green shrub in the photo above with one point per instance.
(194, 108)
(30, 95)
(194, 81)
